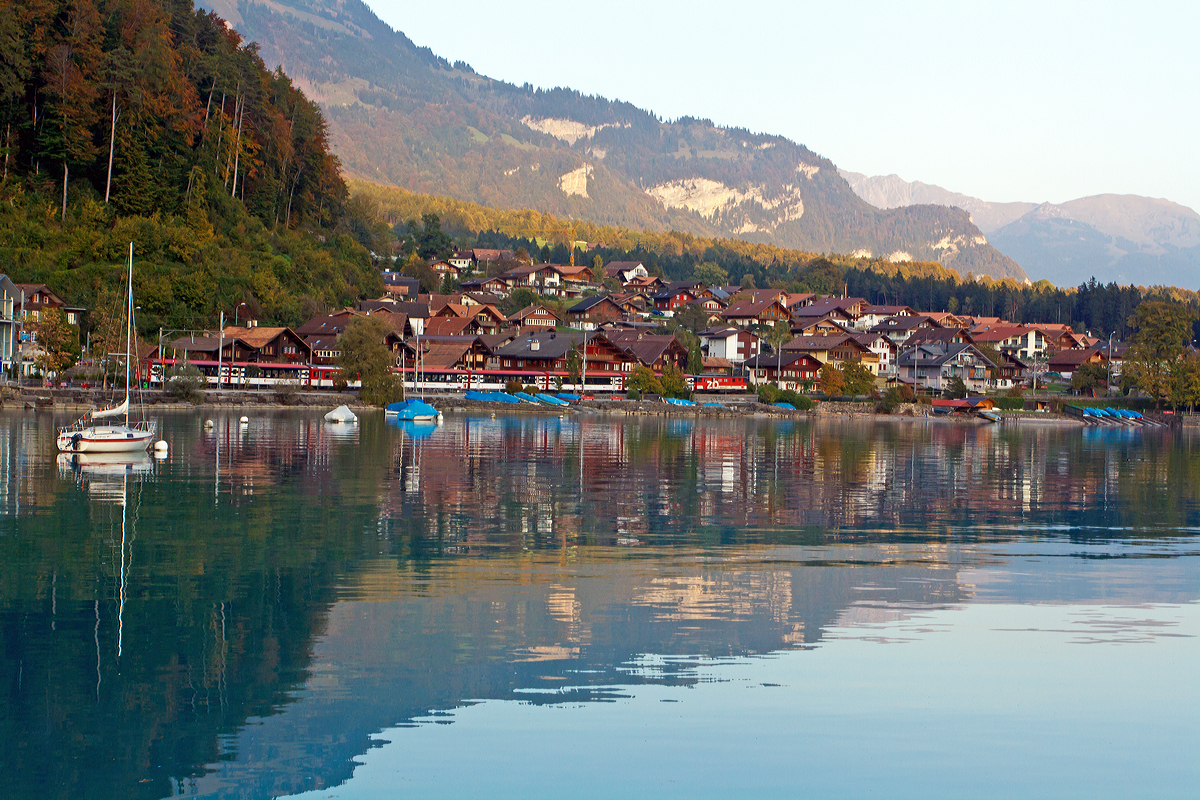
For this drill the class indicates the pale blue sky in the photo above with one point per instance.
(1033, 101)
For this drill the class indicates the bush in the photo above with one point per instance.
(896, 396)
(1010, 403)
(512, 387)
(770, 394)
(530, 389)
(185, 383)
(287, 392)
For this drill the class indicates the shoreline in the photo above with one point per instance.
(82, 400)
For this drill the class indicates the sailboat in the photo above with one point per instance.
(88, 435)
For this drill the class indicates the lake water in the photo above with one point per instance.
(600, 606)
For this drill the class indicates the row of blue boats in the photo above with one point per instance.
(560, 400)
(1114, 415)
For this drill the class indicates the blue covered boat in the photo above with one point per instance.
(412, 410)
(551, 400)
(675, 401)
(528, 398)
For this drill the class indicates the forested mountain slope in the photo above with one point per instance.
(147, 121)
(399, 114)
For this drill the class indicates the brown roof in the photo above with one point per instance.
(256, 337)
(444, 326)
(525, 312)
(1073, 358)
(443, 355)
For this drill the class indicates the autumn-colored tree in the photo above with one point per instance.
(57, 341)
(832, 381)
(858, 379)
(643, 381)
(365, 355)
(1160, 331)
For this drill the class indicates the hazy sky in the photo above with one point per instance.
(1039, 101)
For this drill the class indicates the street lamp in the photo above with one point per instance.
(235, 313)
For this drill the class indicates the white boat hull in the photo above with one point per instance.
(105, 439)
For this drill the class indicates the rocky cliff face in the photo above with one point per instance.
(401, 115)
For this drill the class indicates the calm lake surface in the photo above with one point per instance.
(600, 606)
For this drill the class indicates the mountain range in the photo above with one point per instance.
(400, 115)
(1125, 239)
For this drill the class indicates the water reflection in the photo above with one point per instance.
(284, 594)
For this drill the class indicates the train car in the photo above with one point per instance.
(718, 383)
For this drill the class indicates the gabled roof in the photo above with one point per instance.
(935, 354)
(588, 303)
(257, 337)
(528, 310)
(722, 332)
(903, 323)
(443, 355)
(999, 334)
(945, 336)
(750, 308)
(1073, 358)
(326, 325)
(784, 359)
(446, 326)
(547, 345)
(822, 343)
(889, 311)
(327, 342)
(869, 339)
(829, 305)
(645, 347)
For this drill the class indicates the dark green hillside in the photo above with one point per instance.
(400, 115)
(220, 171)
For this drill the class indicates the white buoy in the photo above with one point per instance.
(244, 420)
(208, 423)
(440, 418)
(160, 446)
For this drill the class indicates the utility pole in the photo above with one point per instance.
(1108, 382)
(220, 348)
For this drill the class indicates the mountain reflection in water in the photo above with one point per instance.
(283, 595)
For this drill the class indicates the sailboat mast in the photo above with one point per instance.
(129, 334)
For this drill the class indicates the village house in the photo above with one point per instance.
(825, 326)
(883, 348)
(625, 271)
(650, 350)
(265, 345)
(38, 298)
(535, 318)
(670, 300)
(874, 315)
(1022, 341)
(548, 351)
(745, 313)
(900, 328)
(496, 286)
(848, 308)
(444, 268)
(835, 350)
(730, 342)
(592, 312)
(789, 370)
(1067, 362)
(10, 303)
(933, 365)
(463, 261)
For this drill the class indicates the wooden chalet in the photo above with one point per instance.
(265, 345)
(591, 312)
